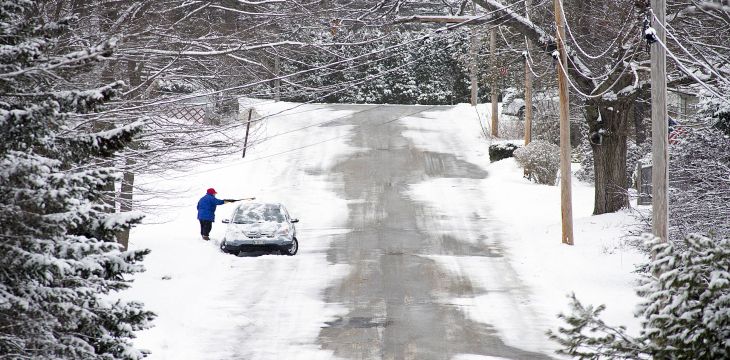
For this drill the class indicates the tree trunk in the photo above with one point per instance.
(125, 196)
(640, 116)
(609, 157)
(126, 193)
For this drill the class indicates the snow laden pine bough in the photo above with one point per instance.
(685, 312)
(261, 227)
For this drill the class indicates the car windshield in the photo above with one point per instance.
(254, 213)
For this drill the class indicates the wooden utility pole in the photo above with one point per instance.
(528, 82)
(495, 92)
(248, 127)
(566, 198)
(660, 149)
(473, 68)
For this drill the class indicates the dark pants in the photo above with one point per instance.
(205, 227)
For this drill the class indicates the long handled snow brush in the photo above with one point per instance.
(234, 200)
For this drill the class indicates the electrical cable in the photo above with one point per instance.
(690, 73)
(671, 35)
(243, 161)
(570, 32)
(240, 87)
(591, 96)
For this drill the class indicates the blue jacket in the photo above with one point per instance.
(206, 207)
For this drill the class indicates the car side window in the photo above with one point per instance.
(286, 214)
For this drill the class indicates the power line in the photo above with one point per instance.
(240, 162)
(707, 67)
(577, 45)
(240, 87)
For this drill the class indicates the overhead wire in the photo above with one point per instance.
(366, 79)
(691, 73)
(245, 161)
(591, 96)
(577, 45)
(676, 40)
(240, 87)
(359, 81)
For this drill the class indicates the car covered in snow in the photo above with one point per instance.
(544, 103)
(260, 227)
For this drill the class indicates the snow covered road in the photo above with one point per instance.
(401, 255)
(402, 302)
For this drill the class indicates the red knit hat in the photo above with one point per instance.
(212, 191)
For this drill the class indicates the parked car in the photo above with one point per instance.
(260, 227)
(544, 103)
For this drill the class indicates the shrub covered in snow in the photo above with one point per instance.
(541, 161)
(59, 260)
(685, 312)
(502, 150)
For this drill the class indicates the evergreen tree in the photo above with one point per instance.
(685, 311)
(59, 260)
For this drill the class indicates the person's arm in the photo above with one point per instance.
(219, 202)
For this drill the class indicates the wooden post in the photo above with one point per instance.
(248, 126)
(566, 199)
(474, 73)
(495, 92)
(528, 83)
(660, 149)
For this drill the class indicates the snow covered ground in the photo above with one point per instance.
(214, 306)
(598, 268)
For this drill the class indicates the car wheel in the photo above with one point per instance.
(292, 250)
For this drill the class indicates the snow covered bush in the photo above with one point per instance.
(59, 259)
(685, 312)
(502, 150)
(541, 161)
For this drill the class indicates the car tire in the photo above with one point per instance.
(293, 249)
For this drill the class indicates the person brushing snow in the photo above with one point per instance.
(206, 211)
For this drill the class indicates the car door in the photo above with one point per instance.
(288, 220)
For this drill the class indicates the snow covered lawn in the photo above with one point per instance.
(598, 268)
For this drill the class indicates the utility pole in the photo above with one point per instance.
(660, 148)
(248, 127)
(528, 82)
(495, 92)
(566, 198)
(474, 73)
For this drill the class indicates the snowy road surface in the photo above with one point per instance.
(401, 255)
(399, 299)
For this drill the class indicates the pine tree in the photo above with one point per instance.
(59, 260)
(685, 312)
